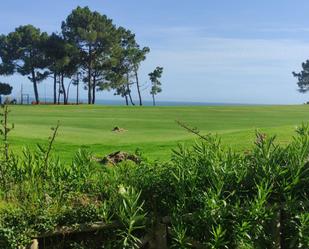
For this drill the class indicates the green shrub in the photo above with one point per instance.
(212, 196)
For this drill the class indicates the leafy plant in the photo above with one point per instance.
(131, 215)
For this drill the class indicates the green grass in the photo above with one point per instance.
(153, 130)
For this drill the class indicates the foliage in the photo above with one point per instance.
(63, 62)
(212, 196)
(22, 51)
(303, 77)
(131, 214)
(94, 35)
(5, 89)
(89, 45)
(135, 55)
(155, 82)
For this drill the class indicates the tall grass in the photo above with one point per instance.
(207, 195)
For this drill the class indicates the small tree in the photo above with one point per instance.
(5, 89)
(155, 82)
(303, 78)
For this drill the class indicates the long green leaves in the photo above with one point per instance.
(206, 196)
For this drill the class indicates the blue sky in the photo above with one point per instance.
(212, 51)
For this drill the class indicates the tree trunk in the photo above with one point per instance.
(138, 88)
(153, 100)
(68, 91)
(65, 100)
(55, 88)
(130, 97)
(89, 86)
(58, 102)
(59, 91)
(0, 99)
(77, 90)
(93, 89)
(129, 90)
(35, 87)
(89, 76)
(126, 98)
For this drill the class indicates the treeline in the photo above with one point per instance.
(90, 50)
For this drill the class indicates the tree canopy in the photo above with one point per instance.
(21, 51)
(94, 35)
(90, 48)
(303, 78)
(5, 89)
(155, 82)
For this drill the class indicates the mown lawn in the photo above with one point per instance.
(151, 129)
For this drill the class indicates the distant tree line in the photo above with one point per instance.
(90, 51)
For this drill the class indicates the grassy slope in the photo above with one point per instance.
(151, 129)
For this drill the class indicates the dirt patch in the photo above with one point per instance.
(118, 129)
(118, 157)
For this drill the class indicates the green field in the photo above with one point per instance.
(151, 129)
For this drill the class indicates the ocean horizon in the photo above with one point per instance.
(149, 102)
(170, 103)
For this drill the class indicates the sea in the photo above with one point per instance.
(170, 103)
(109, 102)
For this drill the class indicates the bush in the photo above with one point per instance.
(209, 195)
